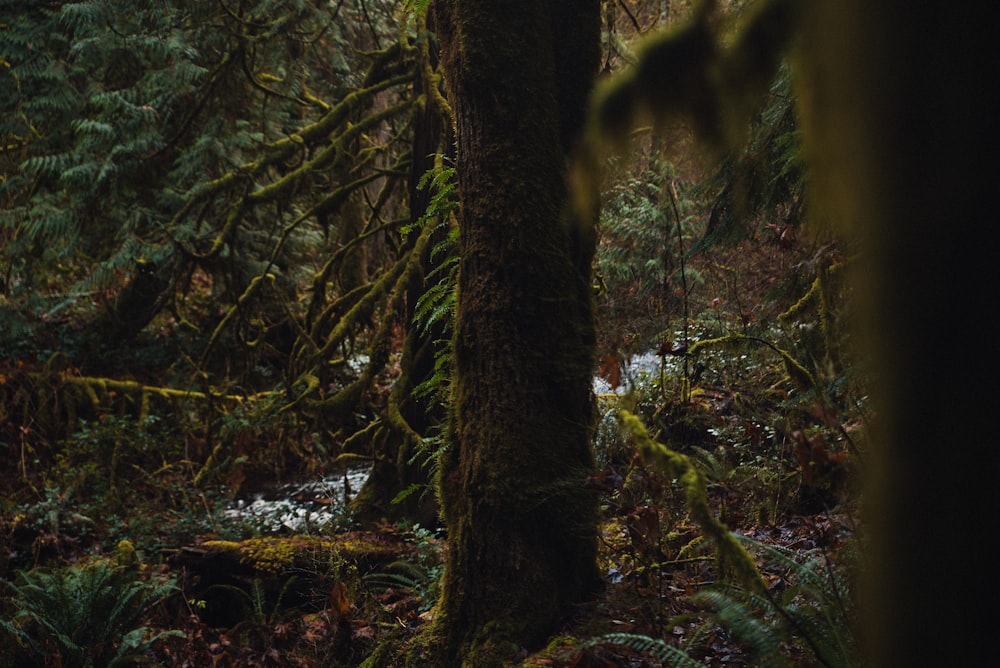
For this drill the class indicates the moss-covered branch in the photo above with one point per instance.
(329, 156)
(282, 149)
(732, 557)
(255, 283)
(106, 385)
(795, 370)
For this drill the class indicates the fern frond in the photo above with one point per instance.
(746, 625)
(813, 611)
(398, 575)
(80, 15)
(138, 641)
(85, 611)
(416, 8)
(663, 652)
(49, 165)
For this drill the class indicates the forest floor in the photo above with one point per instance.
(332, 608)
(777, 464)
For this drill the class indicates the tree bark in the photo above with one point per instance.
(521, 522)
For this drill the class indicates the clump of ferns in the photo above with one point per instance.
(765, 487)
(420, 575)
(406, 576)
(808, 609)
(87, 615)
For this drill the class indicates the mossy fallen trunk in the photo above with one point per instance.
(234, 580)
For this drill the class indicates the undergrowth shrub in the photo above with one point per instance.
(82, 616)
(419, 576)
(807, 617)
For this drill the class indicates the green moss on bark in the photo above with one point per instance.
(522, 523)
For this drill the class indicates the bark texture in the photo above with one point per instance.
(521, 520)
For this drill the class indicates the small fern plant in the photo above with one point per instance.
(255, 601)
(666, 654)
(814, 610)
(434, 313)
(810, 610)
(89, 615)
(420, 575)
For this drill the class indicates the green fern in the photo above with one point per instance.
(714, 465)
(415, 8)
(90, 615)
(763, 181)
(814, 611)
(80, 15)
(435, 309)
(255, 601)
(742, 618)
(666, 654)
(422, 580)
(437, 304)
(638, 253)
(398, 574)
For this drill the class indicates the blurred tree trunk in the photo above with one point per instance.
(901, 128)
(522, 523)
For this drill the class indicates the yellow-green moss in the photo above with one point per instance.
(125, 554)
(273, 555)
(268, 555)
(731, 556)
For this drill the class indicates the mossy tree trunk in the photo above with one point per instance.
(521, 520)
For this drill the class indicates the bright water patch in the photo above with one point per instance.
(299, 507)
(639, 371)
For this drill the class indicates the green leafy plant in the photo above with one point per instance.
(760, 185)
(809, 611)
(436, 306)
(810, 607)
(646, 224)
(420, 575)
(659, 649)
(89, 615)
(434, 314)
(255, 601)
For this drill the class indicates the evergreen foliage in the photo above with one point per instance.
(89, 615)
(810, 608)
(131, 152)
(764, 180)
(648, 222)
(220, 168)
